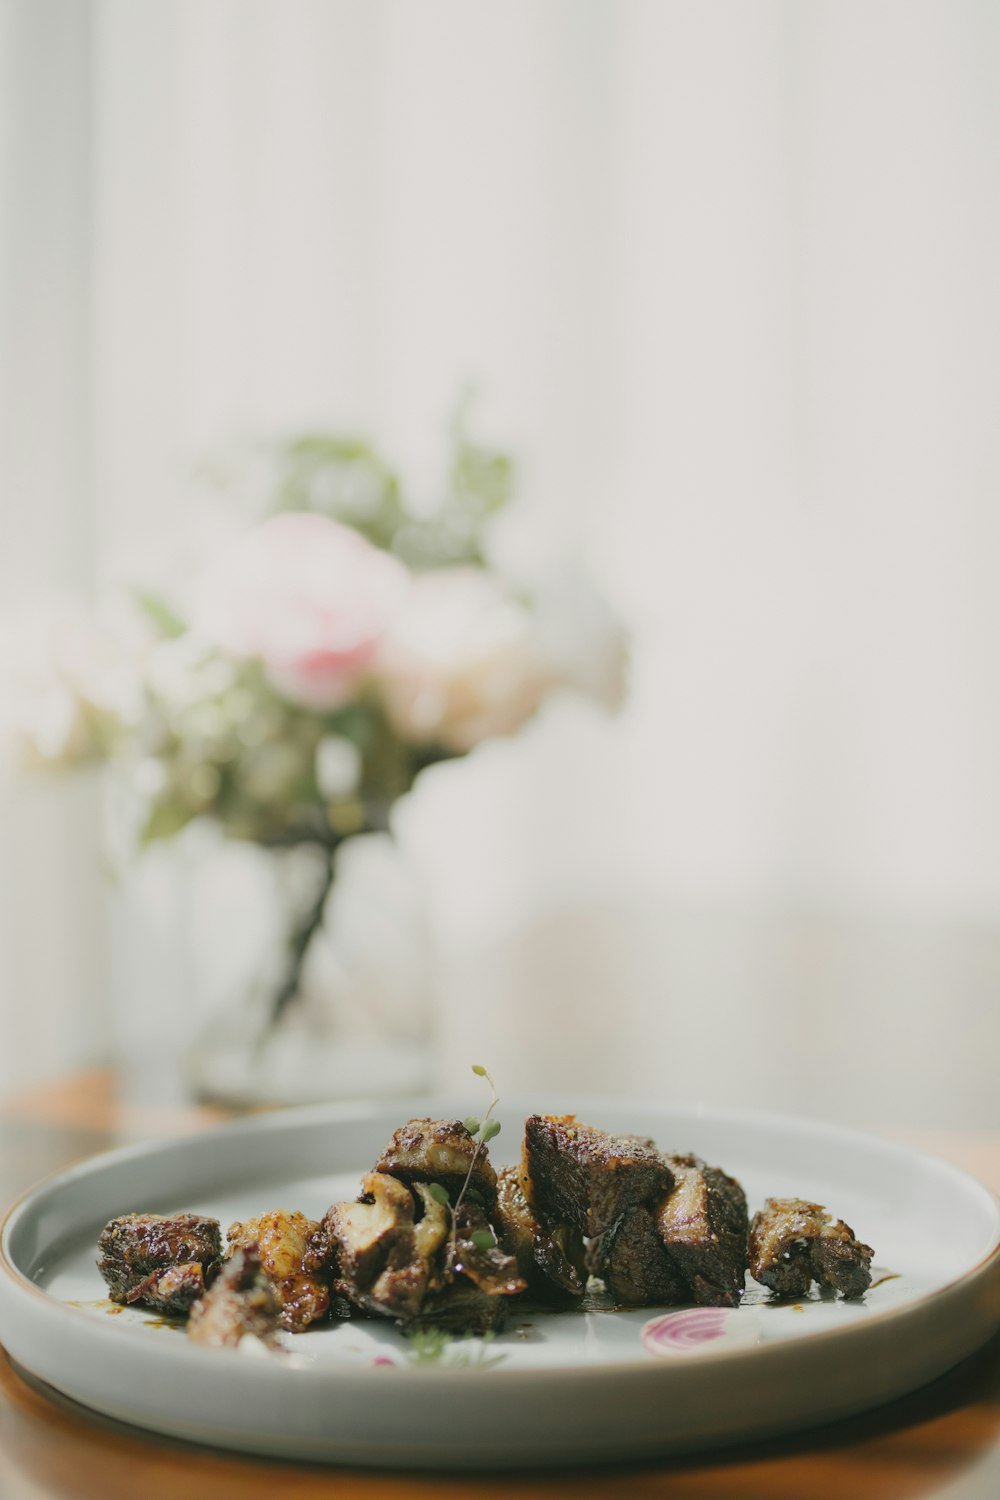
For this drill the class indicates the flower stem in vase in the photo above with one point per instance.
(300, 939)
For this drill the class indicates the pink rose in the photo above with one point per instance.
(308, 598)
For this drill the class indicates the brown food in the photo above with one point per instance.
(703, 1225)
(636, 1267)
(393, 1254)
(469, 1254)
(163, 1262)
(550, 1261)
(658, 1229)
(281, 1241)
(572, 1174)
(793, 1243)
(462, 1307)
(365, 1245)
(241, 1303)
(439, 1151)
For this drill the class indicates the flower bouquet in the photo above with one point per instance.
(292, 688)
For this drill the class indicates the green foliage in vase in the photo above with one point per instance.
(346, 479)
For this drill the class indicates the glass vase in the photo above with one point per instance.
(337, 1003)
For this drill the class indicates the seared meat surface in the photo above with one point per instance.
(794, 1242)
(281, 1242)
(241, 1303)
(576, 1175)
(402, 1252)
(439, 1151)
(162, 1262)
(550, 1261)
(702, 1223)
(636, 1267)
(655, 1228)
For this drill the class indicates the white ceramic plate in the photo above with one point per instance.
(551, 1389)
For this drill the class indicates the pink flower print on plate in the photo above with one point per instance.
(694, 1330)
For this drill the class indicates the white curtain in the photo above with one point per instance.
(726, 274)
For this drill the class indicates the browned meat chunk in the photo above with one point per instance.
(439, 1151)
(550, 1261)
(576, 1175)
(241, 1303)
(367, 1246)
(842, 1261)
(403, 1251)
(793, 1243)
(461, 1307)
(702, 1223)
(281, 1241)
(636, 1268)
(476, 1252)
(161, 1261)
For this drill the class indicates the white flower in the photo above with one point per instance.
(308, 598)
(61, 670)
(461, 661)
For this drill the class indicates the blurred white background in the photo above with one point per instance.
(726, 274)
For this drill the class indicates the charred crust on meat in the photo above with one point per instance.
(572, 1174)
(794, 1242)
(703, 1224)
(440, 1151)
(161, 1261)
(282, 1241)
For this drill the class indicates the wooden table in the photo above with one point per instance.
(944, 1440)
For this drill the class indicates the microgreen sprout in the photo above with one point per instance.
(431, 1346)
(482, 1131)
(427, 1345)
(483, 1239)
(438, 1192)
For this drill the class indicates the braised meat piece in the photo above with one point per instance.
(402, 1251)
(475, 1251)
(550, 1261)
(281, 1241)
(382, 1260)
(164, 1262)
(793, 1243)
(462, 1307)
(781, 1238)
(576, 1175)
(636, 1268)
(842, 1261)
(439, 1151)
(702, 1224)
(368, 1245)
(241, 1303)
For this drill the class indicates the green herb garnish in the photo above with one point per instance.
(485, 1129)
(429, 1346)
